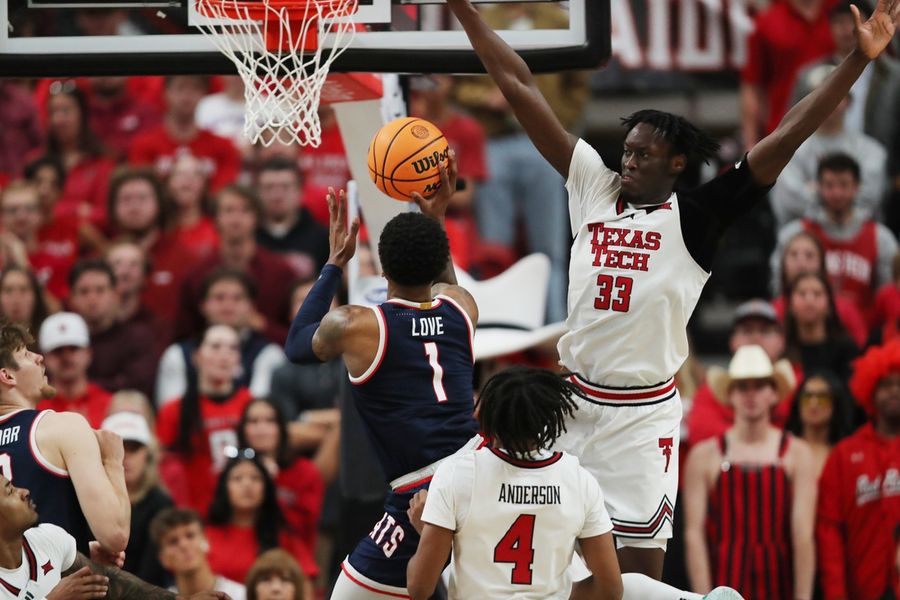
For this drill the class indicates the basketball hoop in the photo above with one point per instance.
(277, 47)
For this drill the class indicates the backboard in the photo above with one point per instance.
(55, 38)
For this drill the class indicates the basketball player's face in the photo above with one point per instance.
(30, 377)
(275, 587)
(648, 169)
(16, 507)
(245, 488)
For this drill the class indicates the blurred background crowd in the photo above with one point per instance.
(158, 259)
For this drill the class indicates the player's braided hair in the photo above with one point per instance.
(683, 136)
(525, 409)
(413, 249)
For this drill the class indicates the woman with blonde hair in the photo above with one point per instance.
(147, 496)
(276, 576)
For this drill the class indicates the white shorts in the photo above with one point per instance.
(628, 439)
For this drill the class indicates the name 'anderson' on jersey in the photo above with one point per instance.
(636, 273)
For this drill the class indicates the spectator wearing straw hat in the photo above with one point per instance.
(755, 475)
(66, 345)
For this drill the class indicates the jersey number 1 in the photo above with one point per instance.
(607, 284)
(517, 547)
(437, 381)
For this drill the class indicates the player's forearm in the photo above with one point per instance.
(505, 67)
(122, 585)
(419, 584)
(115, 519)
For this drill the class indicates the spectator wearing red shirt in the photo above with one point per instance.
(138, 210)
(245, 520)
(66, 346)
(286, 226)
(118, 115)
(187, 187)
(124, 354)
(786, 36)
(432, 101)
(237, 213)
(298, 481)
(804, 253)
(178, 134)
(324, 167)
(72, 142)
(51, 250)
(859, 491)
(199, 426)
(20, 131)
(754, 323)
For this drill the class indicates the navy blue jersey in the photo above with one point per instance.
(416, 398)
(51, 489)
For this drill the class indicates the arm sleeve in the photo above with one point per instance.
(596, 521)
(830, 538)
(708, 210)
(886, 244)
(265, 364)
(450, 493)
(171, 379)
(589, 179)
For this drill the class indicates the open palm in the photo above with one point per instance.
(873, 36)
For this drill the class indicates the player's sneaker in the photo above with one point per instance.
(723, 593)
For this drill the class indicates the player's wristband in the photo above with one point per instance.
(298, 346)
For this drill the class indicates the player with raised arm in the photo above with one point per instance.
(641, 256)
(410, 360)
(74, 473)
(34, 558)
(513, 513)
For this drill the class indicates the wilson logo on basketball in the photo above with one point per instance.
(419, 131)
(427, 163)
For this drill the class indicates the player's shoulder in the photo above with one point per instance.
(460, 296)
(48, 533)
(65, 421)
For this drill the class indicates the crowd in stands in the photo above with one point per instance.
(159, 260)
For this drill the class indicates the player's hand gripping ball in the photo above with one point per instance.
(404, 156)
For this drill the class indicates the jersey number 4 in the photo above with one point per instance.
(6, 466)
(613, 293)
(517, 547)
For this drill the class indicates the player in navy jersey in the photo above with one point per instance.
(75, 474)
(640, 258)
(410, 361)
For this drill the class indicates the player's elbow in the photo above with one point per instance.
(418, 589)
(114, 540)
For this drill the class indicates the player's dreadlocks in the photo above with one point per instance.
(526, 409)
(684, 137)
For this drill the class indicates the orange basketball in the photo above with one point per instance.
(404, 156)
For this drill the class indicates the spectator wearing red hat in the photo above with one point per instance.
(179, 134)
(66, 346)
(859, 491)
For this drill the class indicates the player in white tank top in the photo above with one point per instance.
(641, 256)
(515, 512)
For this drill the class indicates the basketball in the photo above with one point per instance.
(404, 156)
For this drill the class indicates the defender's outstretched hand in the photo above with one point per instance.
(341, 238)
(436, 206)
(873, 36)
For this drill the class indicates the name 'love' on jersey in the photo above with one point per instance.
(52, 491)
(636, 273)
(416, 398)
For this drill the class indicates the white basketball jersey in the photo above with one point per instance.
(515, 522)
(47, 551)
(633, 284)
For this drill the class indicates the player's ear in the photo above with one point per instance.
(677, 164)
(7, 377)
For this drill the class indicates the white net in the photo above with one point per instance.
(283, 52)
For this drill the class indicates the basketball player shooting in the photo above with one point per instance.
(640, 259)
(74, 473)
(410, 360)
